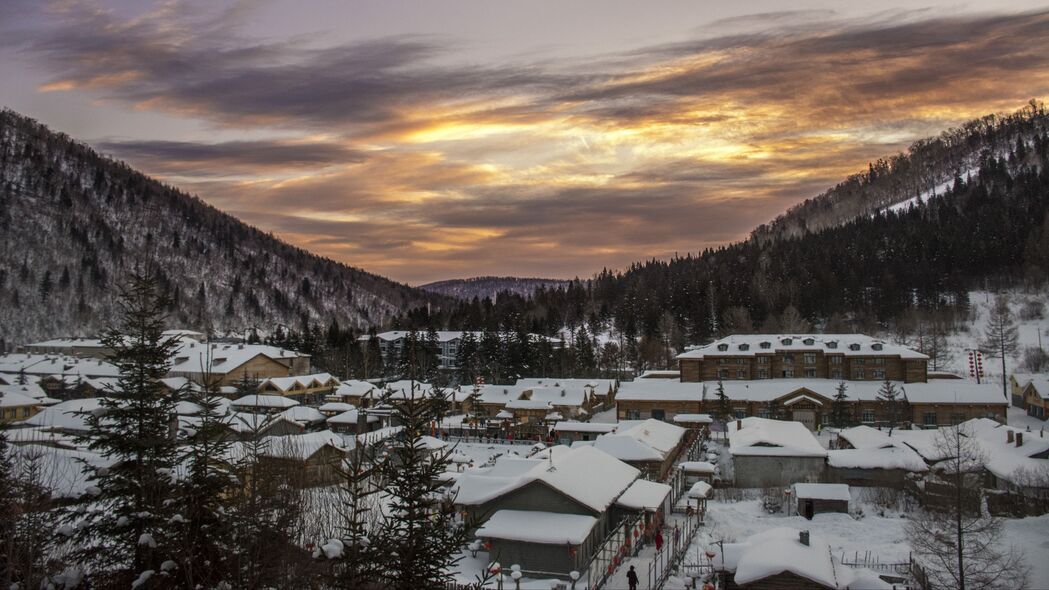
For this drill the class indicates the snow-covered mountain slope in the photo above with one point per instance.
(73, 224)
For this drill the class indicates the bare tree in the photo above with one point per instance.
(1000, 337)
(959, 543)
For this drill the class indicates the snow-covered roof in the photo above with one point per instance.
(284, 384)
(953, 391)
(598, 387)
(302, 446)
(1024, 464)
(844, 344)
(866, 437)
(693, 419)
(66, 415)
(660, 389)
(822, 491)
(780, 550)
(644, 495)
(764, 437)
(1040, 385)
(351, 417)
(574, 426)
(702, 467)
(221, 359)
(529, 404)
(264, 401)
(20, 395)
(303, 415)
(558, 396)
(549, 528)
(575, 470)
(355, 388)
(66, 476)
(336, 407)
(657, 434)
(69, 368)
(901, 457)
(623, 447)
(495, 394)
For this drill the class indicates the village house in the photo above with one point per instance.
(263, 404)
(228, 364)
(305, 389)
(306, 460)
(557, 490)
(570, 431)
(1035, 396)
(768, 453)
(852, 357)
(661, 399)
(1017, 383)
(786, 558)
(16, 406)
(354, 421)
(359, 394)
(810, 499)
(651, 446)
(599, 393)
(865, 456)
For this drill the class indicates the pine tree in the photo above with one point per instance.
(205, 539)
(357, 560)
(893, 401)
(1001, 337)
(724, 408)
(839, 409)
(466, 358)
(129, 532)
(8, 512)
(419, 537)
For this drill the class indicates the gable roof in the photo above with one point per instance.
(844, 344)
(764, 437)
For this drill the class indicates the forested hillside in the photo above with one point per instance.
(865, 266)
(72, 223)
(482, 287)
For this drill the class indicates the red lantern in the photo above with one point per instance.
(710, 554)
(487, 546)
(610, 569)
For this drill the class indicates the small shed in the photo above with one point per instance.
(546, 543)
(698, 471)
(811, 499)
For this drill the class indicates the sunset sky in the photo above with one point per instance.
(430, 139)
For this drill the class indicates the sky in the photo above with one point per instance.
(426, 140)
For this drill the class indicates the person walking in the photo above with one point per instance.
(659, 541)
(631, 578)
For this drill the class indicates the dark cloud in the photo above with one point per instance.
(230, 157)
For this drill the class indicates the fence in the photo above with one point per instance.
(680, 537)
(610, 554)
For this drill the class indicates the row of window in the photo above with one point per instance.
(807, 359)
(866, 416)
(763, 373)
(12, 413)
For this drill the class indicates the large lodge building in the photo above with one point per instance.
(796, 377)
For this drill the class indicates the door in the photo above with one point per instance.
(806, 417)
(807, 509)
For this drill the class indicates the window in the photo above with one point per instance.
(764, 374)
(835, 373)
(957, 418)
(809, 358)
(832, 344)
(786, 342)
(854, 346)
(741, 373)
(859, 361)
(740, 413)
(876, 346)
(867, 416)
(766, 344)
(722, 347)
(764, 413)
(810, 372)
(835, 360)
(929, 418)
(788, 359)
(722, 373)
(659, 414)
(858, 374)
(809, 341)
(879, 361)
(763, 360)
(744, 347)
(878, 373)
(633, 414)
(787, 373)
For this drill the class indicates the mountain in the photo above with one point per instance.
(908, 238)
(482, 287)
(73, 223)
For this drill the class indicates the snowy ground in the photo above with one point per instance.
(878, 531)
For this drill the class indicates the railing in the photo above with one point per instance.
(599, 568)
(680, 537)
(870, 561)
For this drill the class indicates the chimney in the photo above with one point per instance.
(1019, 439)
(803, 536)
(1009, 436)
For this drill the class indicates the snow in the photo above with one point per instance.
(902, 457)
(333, 549)
(700, 467)
(351, 417)
(337, 407)
(142, 578)
(926, 195)
(693, 419)
(660, 389)
(657, 434)
(538, 527)
(573, 426)
(700, 490)
(822, 491)
(623, 447)
(146, 539)
(286, 384)
(264, 401)
(763, 437)
(67, 415)
(303, 415)
(843, 344)
(644, 495)
(779, 550)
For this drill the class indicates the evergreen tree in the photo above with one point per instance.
(839, 409)
(205, 538)
(420, 538)
(8, 512)
(129, 534)
(1001, 337)
(357, 561)
(466, 358)
(893, 401)
(724, 408)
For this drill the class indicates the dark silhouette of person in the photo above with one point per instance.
(631, 578)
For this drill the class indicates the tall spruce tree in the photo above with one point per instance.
(724, 410)
(420, 538)
(127, 534)
(8, 512)
(466, 358)
(892, 400)
(839, 408)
